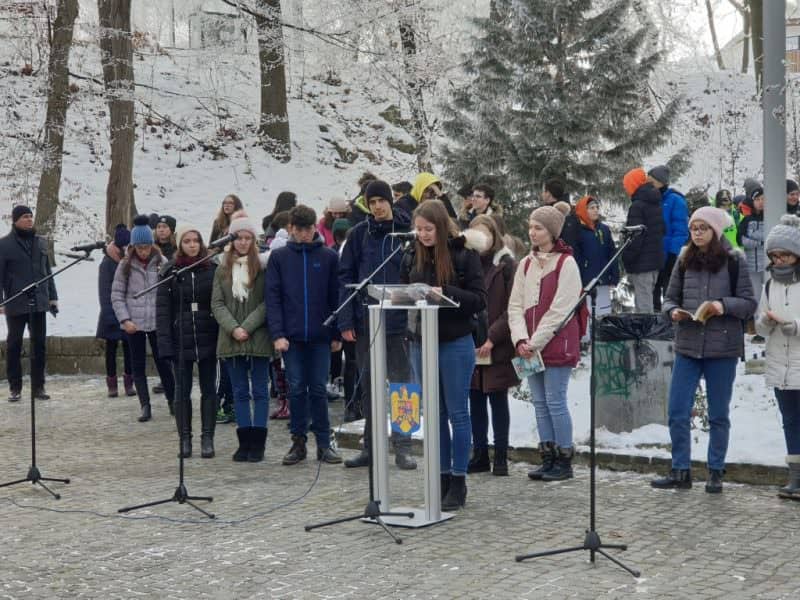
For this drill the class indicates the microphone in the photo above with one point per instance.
(403, 235)
(223, 240)
(88, 247)
(634, 229)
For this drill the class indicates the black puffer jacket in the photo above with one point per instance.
(199, 326)
(469, 290)
(646, 252)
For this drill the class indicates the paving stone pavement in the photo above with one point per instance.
(741, 544)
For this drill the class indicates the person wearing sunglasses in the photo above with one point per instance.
(708, 273)
(779, 321)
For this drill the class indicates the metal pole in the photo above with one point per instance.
(380, 448)
(430, 398)
(774, 107)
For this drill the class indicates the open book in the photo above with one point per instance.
(703, 313)
(525, 367)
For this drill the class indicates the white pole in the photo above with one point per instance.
(774, 103)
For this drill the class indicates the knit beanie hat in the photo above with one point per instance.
(19, 211)
(243, 223)
(660, 174)
(791, 186)
(168, 221)
(785, 235)
(152, 220)
(633, 180)
(122, 237)
(563, 207)
(340, 225)
(183, 230)
(380, 189)
(551, 218)
(716, 218)
(339, 205)
(750, 187)
(141, 234)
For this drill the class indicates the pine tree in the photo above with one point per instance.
(557, 89)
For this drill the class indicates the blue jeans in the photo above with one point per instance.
(456, 363)
(549, 392)
(719, 374)
(244, 370)
(307, 366)
(789, 403)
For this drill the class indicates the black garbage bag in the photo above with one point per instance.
(634, 326)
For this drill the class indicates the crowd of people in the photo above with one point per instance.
(250, 315)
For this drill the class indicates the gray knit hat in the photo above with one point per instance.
(660, 174)
(551, 218)
(785, 235)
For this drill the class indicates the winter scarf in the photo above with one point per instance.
(241, 279)
(786, 274)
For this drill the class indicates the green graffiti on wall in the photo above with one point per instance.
(612, 378)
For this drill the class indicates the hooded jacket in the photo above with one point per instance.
(468, 289)
(750, 236)
(646, 251)
(594, 248)
(368, 245)
(422, 181)
(676, 220)
(301, 290)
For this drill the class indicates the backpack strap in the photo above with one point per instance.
(766, 288)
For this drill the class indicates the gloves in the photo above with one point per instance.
(53, 309)
(789, 328)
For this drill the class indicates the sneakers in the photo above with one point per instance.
(680, 479)
(225, 416)
(14, 396)
(328, 455)
(297, 452)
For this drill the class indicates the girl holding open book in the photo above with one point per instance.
(546, 287)
(709, 297)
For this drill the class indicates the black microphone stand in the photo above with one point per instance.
(34, 475)
(592, 541)
(181, 495)
(373, 510)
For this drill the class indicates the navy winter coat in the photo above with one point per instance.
(592, 252)
(107, 324)
(367, 246)
(23, 260)
(301, 291)
(646, 251)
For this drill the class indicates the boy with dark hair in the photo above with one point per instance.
(481, 200)
(554, 192)
(401, 189)
(301, 290)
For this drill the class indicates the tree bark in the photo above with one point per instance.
(57, 104)
(117, 60)
(757, 27)
(714, 40)
(413, 88)
(274, 121)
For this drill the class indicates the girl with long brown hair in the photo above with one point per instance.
(244, 343)
(446, 260)
(230, 204)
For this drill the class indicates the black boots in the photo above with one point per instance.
(359, 460)
(402, 453)
(258, 442)
(186, 447)
(562, 466)
(244, 434)
(791, 490)
(547, 450)
(714, 482)
(456, 493)
(207, 445)
(297, 452)
(144, 397)
(479, 463)
(329, 455)
(208, 421)
(500, 466)
(444, 483)
(680, 479)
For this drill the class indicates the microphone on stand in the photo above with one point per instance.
(633, 229)
(223, 240)
(404, 235)
(88, 247)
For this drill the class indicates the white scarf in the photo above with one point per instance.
(240, 276)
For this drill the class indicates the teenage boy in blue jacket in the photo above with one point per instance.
(301, 291)
(368, 245)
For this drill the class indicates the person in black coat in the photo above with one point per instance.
(108, 328)
(23, 260)
(554, 194)
(199, 336)
(645, 256)
(165, 235)
(455, 273)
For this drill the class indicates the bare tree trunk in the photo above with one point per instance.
(413, 88)
(274, 121)
(714, 40)
(57, 103)
(117, 59)
(757, 25)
